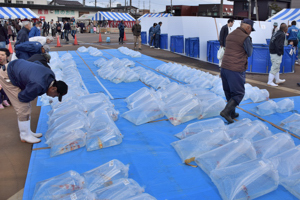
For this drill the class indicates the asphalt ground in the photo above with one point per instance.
(15, 155)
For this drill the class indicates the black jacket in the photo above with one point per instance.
(39, 57)
(3, 34)
(67, 26)
(277, 43)
(223, 35)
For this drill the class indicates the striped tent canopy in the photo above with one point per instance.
(287, 15)
(156, 15)
(13, 13)
(112, 16)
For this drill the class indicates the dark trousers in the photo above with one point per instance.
(73, 32)
(3, 96)
(152, 40)
(157, 38)
(121, 37)
(53, 32)
(67, 35)
(233, 84)
(13, 36)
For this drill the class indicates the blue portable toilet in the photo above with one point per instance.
(172, 43)
(163, 41)
(108, 39)
(179, 44)
(288, 60)
(261, 58)
(212, 51)
(194, 49)
(144, 37)
(187, 46)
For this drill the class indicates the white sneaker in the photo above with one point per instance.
(157, 48)
(278, 80)
(270, 82)
(25, 135)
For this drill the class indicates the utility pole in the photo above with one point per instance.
(171, 7)
(125, 7)
(150, 6)
(95, 3)
(110, 5)
(130, 3)
(221, 9)
(249, 9)
(144, 6)
(83, 2)
(139, 4)
(256, 8)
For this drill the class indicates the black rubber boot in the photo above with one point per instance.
(234, 114)
(226, 113)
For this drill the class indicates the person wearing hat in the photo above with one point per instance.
(43, 59)
(41, 39)
(275, 28)
(292, 33)
(27, 49)
(234, 64)
(121, 28)
(23, 81)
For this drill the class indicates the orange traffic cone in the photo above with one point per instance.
(100, 38)
(75, 41)
(10, 47)
(124, 36)
(58, 42)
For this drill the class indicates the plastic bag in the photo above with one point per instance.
(292, 184)
(63, 142)
(200, 143)
(143, 196)
(266, 108)
(285, 105)
(57, 186)
(100, 120)
(212, 107)
(99, 110)
(64, 108)
(66, 56)
(273, 145)
(143, 114)
(92, 101)
(100, 62)
(82, 49)
(259, 95)
(220, 53)
(239, 123)
(137, 95)
(105, 175)
(131, 76)
(235, 152)
(287, 163)
(247, 180)
(127, 63)
(83, 194)
(129, 52)
(200, 126)
(141, 101)
(121, 189)
(292, 123)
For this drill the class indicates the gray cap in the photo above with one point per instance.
(47, 48)
(275, 24)
(47, 56)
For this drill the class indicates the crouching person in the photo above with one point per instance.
(23, 81)
(28, 49)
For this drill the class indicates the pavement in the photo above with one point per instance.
(15, 155)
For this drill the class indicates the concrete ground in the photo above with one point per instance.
(15, 155)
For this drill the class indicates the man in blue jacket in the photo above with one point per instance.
(151, 32)
(23, 81)
(28, 49)
(121, 31)
(35, 31)
(157, 35)
(292, 33)
(23, 33)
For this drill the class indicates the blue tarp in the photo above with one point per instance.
(163, 41)
(212, 51)
(154, 163)
(192, 47)
(144, 37)
(177, 43)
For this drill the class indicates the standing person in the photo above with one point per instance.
(3, 99)
(275, 28)
(23, 33)
(3, 36)
(235, 62)
(62, 36)
(136, 30)
(225, 30)
(36, 30)
(73, 29)
(22, 82)
(151, 32)
(276, 51)
(10, 32)
(67, 29)
(157, 35)
(5, 25)
(292, 33)
(53, 28)
(58, 28)
(17, 26)
(121, 32)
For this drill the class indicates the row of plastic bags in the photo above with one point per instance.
(205, 80)
(244, 159)
(92, 51)
(270, 107)
(177, 102)
(292, 123)
(129, 52)
(114, 62)
(108, 181)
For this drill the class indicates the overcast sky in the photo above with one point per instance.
(156, 5)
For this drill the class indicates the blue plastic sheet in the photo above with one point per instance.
(212, 50)
(163, 42)
(192, 48)
(177, 44)
(144, 37)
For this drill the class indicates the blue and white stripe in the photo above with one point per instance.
(112, 16)
(287, 14)
(13, 13)
(156, 15)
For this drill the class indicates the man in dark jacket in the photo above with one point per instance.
(136, 30)
(23, 81)
(23, 33)
(67, 29)
(225, 30)
(43, 59)
(151, 32)
(156, 34)
(276, 51)
(121, 31)
(235, 63)
(27, 49)
(3, 36)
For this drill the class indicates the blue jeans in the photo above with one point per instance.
(3, 44)
(3, 96)
(67, 35)
(157, 38)
(73, 32)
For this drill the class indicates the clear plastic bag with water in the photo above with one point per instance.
(292, 123)
(122, 189)
(137, 95)
(83, 194)
(285, 105)
(200, 126)
(212, 107)
(266, 108)
(232, 153)
(110, 110)
(245, 181)
(131, 76)
(100, 62)
(105, 175)
(292, 184)
(57, 186)
(64, 142)
(65, 108)
(143, 196)
(200, 143)
(92, 101)
(96, 53)
(273, 145)
(127, 63)
(259, 95)
(288, 162)
(142, 101)
(82, 49)
(143, 114)
(239, 123)
(66, 56)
